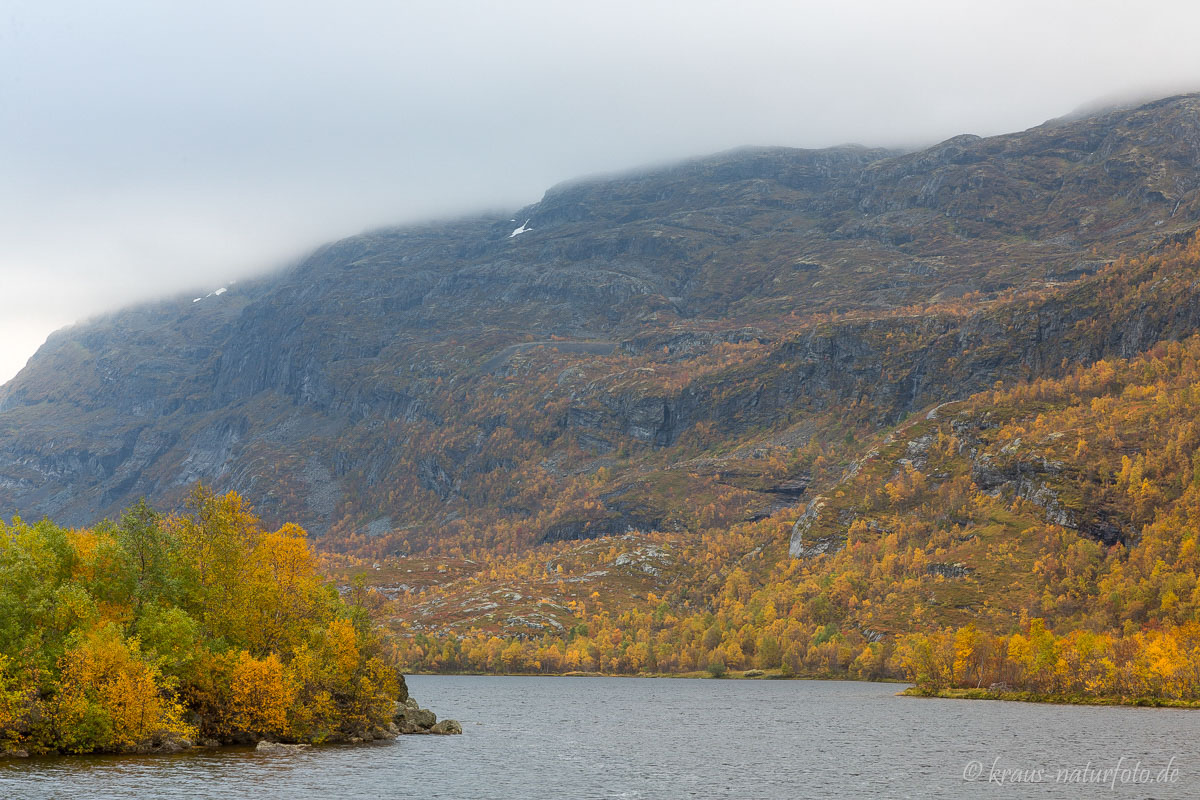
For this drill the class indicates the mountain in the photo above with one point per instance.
(684, 416)
(971, 528)
(311, 390)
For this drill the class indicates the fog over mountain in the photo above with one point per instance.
(149, 149)
(400, 377)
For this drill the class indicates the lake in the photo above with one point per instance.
(563, 738)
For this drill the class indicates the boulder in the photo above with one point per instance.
(278, 748)
(171, 745)
(410, 718)
(161, 744)
(446, 727)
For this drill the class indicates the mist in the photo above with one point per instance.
(149, 148)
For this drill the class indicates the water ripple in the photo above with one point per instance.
(633, 738)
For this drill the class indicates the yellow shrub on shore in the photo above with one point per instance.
(1158, 663)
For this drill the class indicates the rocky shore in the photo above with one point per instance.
(407, 718)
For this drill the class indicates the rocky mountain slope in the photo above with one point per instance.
(956, 541)
(768, 525)
(495, 383)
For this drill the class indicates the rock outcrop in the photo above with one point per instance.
(802, 543)
(411, 718)
(447, 727)
(279, 748)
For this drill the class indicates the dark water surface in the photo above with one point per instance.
(562, 738)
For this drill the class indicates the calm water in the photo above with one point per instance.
(562, 738)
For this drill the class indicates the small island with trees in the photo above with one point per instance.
(160, 633)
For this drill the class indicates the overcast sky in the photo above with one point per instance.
(148, 148)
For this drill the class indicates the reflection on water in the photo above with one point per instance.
(642, 738)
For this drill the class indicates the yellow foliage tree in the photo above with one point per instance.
(110, 698)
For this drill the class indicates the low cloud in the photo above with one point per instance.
(152, 148)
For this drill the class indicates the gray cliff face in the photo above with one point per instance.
(943, 359)
(274, 386)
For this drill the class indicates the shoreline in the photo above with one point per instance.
(911, 691)
(735, 675)
(1049, 699)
